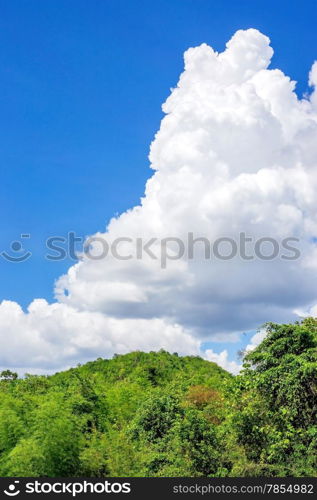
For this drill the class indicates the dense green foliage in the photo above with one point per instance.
(159, 414)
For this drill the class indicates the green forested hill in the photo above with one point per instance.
(158, 414)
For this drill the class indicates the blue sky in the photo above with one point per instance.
(81, 88)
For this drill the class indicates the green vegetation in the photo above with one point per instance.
(159, 414)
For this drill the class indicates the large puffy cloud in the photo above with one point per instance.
(235, 153)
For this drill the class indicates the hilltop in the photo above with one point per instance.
(159, 414)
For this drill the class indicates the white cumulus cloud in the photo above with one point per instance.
(222, 360)
(256, 339)
(235, 153)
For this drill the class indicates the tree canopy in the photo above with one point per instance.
(159, 414)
